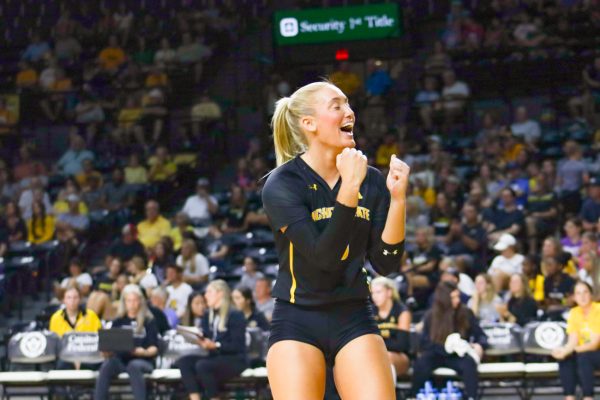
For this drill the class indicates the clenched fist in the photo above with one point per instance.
(352, 166)
(397, 179)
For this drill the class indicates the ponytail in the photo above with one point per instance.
(288, 137)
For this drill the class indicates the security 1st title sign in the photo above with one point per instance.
(319, 25)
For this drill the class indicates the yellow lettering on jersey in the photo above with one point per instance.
(326, 212)
(345, 255)
(293, 287)
(359, 196)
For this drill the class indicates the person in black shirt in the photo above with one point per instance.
(244, 302)
(329, 211)
(448, 316)
(506, 219)
(133, 314)
(521, 307)
(393, 320)
(101, 299)
(467, 240)
(224, 336)
(542, 210)
(558, 286)
(422, 264)
(127, 246)
(15, 225)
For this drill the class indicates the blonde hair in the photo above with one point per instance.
(388, 284)
(143, 314)
(221, 286)
(490, 292)
(192, 259)
(288, 137)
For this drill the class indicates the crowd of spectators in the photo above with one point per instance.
(494, 218)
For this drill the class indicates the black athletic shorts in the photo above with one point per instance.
(327, 327)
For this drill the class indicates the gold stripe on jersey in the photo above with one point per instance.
(345, 255)
(326, 212)
(293, 287)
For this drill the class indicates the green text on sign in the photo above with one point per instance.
(318, 25)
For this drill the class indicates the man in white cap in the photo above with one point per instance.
(507, 263)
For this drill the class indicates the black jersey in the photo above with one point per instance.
(322, 252)
(395, 339)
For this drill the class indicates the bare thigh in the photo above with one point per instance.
(296, 371)
(362, 370)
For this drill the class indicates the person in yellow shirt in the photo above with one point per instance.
(580, 356)
(157, 78)
(181, 230)
(385, 151)
(535, 279)
(135, 173)
(347, 81)
(112, 56)
(73, 317)
(162, 167)
(27, 77)
(40, 227)
(154, 227)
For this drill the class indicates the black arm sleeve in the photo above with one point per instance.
(324, 249)
(385, 258)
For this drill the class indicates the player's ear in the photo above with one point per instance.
(308, 123)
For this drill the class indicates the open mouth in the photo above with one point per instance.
(347, 129)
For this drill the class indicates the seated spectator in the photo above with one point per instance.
(71, 163)
(27, 168)
(77, 277)
(417, 216)
(124, 20)
(154, 227)
(72, 225)
(154, 114)
(160, 258)
(89, 115)
(571, 175)
(265, 303)
(66, 48)
(119, 197)
(526, 128)
(143, 55)
(36, 50)
(521, 307)
(552, 247)
(195, 265)
(218, 248)
(448, 316)
(531, 270)
(127, 119)
(467, 240)
(489, 129)
(571, 242)
(451, 272)
(87, 173)
(127, 245)
(507, 263)
(57, 88)
(158, 299)
(251, 273)
(439, 60)
(378, 81)
(61, 205)
(505, 219)
(135, 173)
(590, 271)
(386, 149)
(73, 317)
(225, 341)
(195, 310)
(139, 275)
(527, 33)
(485, 303)
(201, 206)
(202, 114)
(157, 78)
(580, 356)
(511, 146)
(235, 216)
(178, 290)
(590, 210)
(393, 320)
(31, 193)
(182, 230)
(27, 77)
(133, 314)
(107, 288)
(454, 95)
(93, 195)
(40, 226)
(421, 268)
(426, 101)
(194, 53)
(14, 225)
(112, 57)
(589, 244)
(558, 286)
(541, 212)
(165, 55)
(348, 82)
(244, 302)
